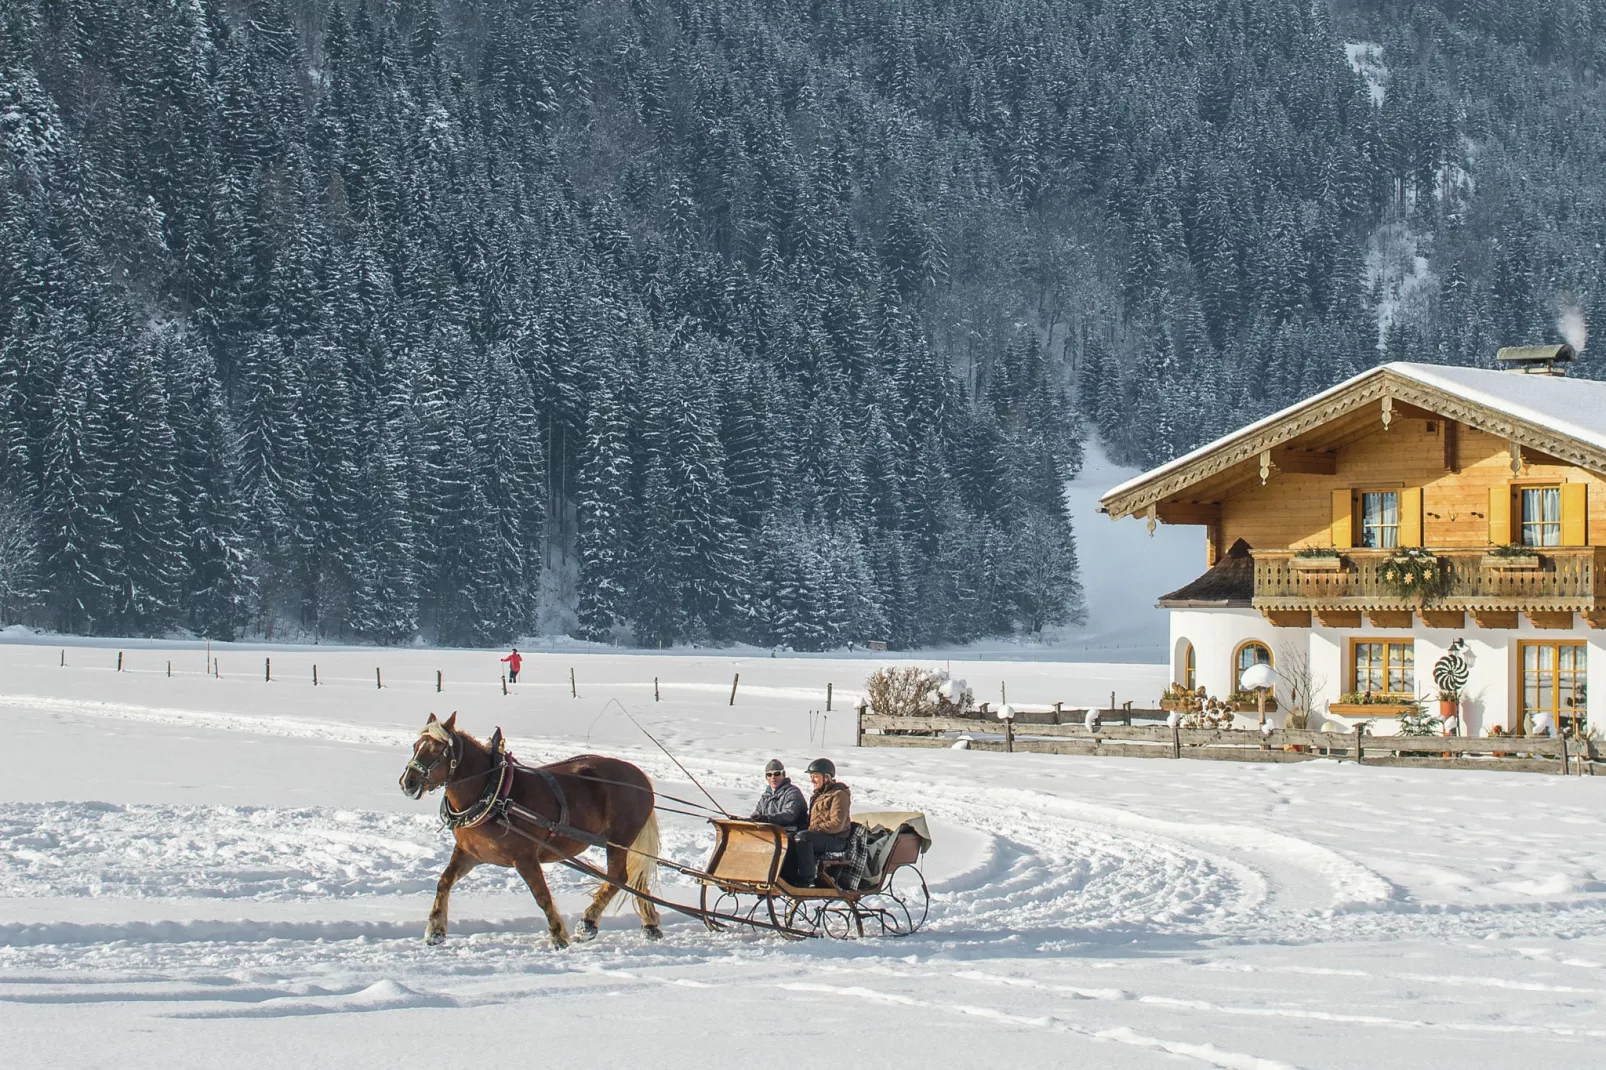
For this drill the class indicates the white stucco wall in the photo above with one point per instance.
(1216, 635)
(1490, 698)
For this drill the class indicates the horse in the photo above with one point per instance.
(605, 798)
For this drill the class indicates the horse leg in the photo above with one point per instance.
(530, 870)
(617, 857)
(461, 862)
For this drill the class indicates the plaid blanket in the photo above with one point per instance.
(856, 858)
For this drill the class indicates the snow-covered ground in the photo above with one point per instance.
(198, 870)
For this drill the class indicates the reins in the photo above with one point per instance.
(576, 864)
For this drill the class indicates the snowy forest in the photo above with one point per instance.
(773, 321)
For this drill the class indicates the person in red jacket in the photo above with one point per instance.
(514, 660)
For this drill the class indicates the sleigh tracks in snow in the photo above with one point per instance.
(743, 886)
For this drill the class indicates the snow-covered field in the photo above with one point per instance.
(202, 871)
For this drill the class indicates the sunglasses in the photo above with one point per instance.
(782, 773)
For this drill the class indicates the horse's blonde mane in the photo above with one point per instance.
(434, 730)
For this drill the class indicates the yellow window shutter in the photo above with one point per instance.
(1500, 515)
(1575, 514)
(1343, 519)
(1411, 516)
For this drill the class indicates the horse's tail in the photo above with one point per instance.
(641, 865)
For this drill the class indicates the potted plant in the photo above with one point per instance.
(1248, 701)
(1370, 704)
(1511, 558)
(1317, 559)
(1177, 697)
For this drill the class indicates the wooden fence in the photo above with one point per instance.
(1532, 754)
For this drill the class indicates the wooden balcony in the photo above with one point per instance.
(1565, 582)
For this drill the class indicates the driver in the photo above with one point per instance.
(782, 803)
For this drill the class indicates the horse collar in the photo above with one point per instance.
(482, 809)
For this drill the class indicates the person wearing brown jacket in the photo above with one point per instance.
(830, 821)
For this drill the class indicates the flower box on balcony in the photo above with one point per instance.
(1369, 709)
(1510, 562)
(1303, 562)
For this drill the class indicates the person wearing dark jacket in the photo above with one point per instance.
(830, 821)
(782, 803)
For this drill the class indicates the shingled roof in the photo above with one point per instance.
(1230, 582)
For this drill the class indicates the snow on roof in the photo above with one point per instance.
(1572, 407)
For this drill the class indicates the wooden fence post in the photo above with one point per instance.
(1003, 693)
(573, 691)
(1057, 712)
(828, 696)
(1561, 744)
(63, 657)
(504, 683)
(119, 661)
(734, 681)
(169, 670)
(1009, 735)
(379, 681)
(655, 689)
(858, 724)
(267, 670)
(1360, 744)
(437, 681)
(315, 674)
(1176, 741)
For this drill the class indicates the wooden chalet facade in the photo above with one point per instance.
(1493, 481)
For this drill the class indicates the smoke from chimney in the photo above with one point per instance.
(1570, 323)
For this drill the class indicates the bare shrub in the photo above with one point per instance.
(902, 691)
(912, 691)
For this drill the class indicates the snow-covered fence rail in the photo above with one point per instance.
(1535, 754)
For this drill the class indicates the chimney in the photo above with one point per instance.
(1536, 360)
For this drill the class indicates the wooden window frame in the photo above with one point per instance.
(1520, 522)
(1358, 496)
(1271, 659)
(1580, 676)
(1190, 667)
(1353, 666)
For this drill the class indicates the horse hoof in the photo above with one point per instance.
(652, 932)
(434, 939)
(559, 943)
(588, 931)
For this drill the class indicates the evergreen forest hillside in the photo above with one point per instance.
(777, 321)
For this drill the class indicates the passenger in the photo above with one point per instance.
(830, 821)
(782, 803)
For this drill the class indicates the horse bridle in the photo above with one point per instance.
(424, 771)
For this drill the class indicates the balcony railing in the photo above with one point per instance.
(1565, 579)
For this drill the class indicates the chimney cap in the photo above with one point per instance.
(1536, 358)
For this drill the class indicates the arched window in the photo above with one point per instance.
(1190, 671)
(1250, 653)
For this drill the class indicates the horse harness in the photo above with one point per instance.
(496, 804)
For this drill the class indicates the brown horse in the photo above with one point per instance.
(601, 797)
